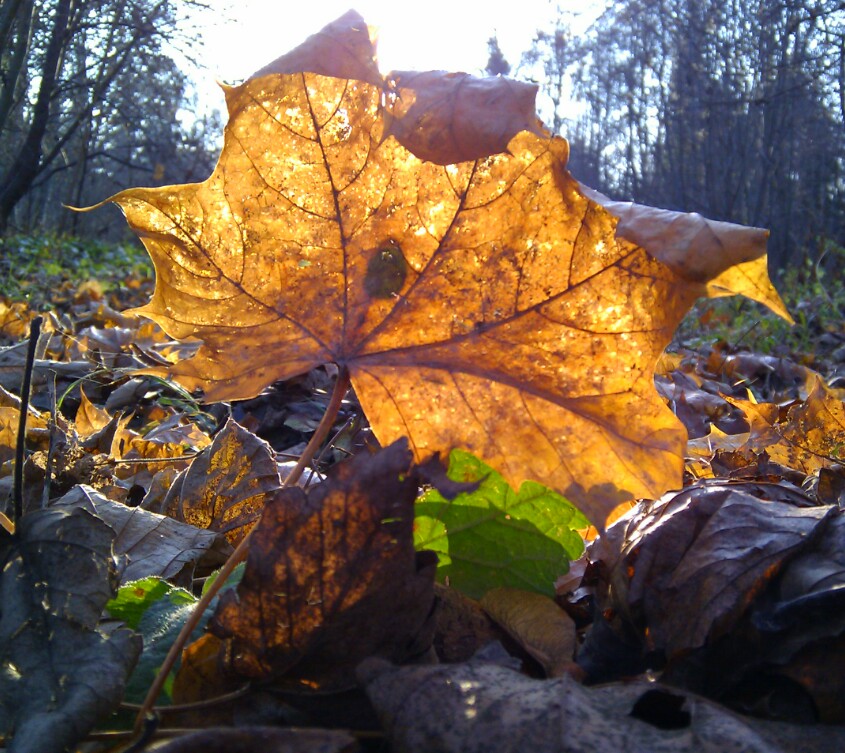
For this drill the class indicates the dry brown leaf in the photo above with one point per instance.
(89, 418)
(227, 484)
(343, 49)
(486, 304)
(691, 563)
(476, 707)
(36, 426)
(14, 320)
(728, 259)
(332, 577)
(537, 624)
(811, 435)
(173, 441)
(152, 544)
(455, 117)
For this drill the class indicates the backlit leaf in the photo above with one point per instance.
(495, 536)
(226, 485)
(810, 436)
(442, 252)
(332, 577)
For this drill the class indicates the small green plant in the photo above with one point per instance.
(36, 268)
(813, 292)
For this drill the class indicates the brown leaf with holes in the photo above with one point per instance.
(227, 484)
(487, 303)
(332, 577)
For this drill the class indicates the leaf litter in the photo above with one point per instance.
(532, 347)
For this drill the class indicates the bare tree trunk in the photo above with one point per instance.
(25, 167)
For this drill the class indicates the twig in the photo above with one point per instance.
(340, 388)
(177, 708)
(34, 332)
(51, 452)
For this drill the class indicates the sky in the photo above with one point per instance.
(242, 36)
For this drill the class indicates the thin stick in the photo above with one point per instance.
(20, 447)
(51, 453)
(340, 388)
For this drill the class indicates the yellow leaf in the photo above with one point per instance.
(810, 436)
(486, 304)
(90, 418)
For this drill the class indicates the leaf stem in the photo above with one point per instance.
(341, 387)
(26, 386)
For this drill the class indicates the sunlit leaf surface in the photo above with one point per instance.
(478, 297)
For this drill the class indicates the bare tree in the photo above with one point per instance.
(497, 64)
(733, 108)
(65, 65)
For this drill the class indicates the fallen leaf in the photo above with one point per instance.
(803, 623)
(463, 627)
(765, 372)
(89, 418)
(688, 566)
(812, 434)
(62, 670)
(12, 360)
(486, 304)
(537, 624)
(10, 412)
(700, 410)
(153, 544)
(477, 706)
(227, 485)
(494, 536)
(157, 610)
(14, 320)
(175, 440)
(332, 577)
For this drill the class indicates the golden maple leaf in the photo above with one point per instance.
(423, 231)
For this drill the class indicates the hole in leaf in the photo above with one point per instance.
(662, 710)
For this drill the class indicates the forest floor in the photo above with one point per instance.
(763, 405)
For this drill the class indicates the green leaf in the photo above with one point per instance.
(495, 536)
(158, 610)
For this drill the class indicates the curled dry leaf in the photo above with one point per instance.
(332, 577)
(689, 565)
(729, 259)
(738, 587)
(485, 303)
(803, 625)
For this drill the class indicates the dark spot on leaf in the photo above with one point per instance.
(386, 272)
